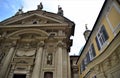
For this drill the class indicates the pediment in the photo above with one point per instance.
(32, 19)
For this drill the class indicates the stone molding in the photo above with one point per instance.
(30, 30)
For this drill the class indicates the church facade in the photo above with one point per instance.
(36, 44)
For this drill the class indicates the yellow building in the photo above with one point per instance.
(100, 57)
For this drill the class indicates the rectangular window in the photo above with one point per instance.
(82, 67)
(92, 52)
(87, 59)
(101, 37)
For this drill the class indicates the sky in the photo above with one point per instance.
(81, 12)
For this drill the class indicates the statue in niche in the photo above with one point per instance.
(49, 58)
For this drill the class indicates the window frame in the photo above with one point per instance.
(92, 52)
(82, 66)
(101, 37)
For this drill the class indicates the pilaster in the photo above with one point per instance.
(7, 61)
(65, 63)
(59, 62)
(37, 65)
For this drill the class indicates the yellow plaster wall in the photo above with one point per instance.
(109, 31)
(114, 17)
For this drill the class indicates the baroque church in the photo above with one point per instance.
(36, 44)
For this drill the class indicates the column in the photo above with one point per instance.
(37, 65)
(65, 63)
(69, 67)
(59, 63)
(7, 61)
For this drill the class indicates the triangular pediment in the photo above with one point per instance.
(32, 19)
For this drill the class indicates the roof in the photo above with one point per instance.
(44, 13)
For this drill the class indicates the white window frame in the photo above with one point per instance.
(91, 53)
(101, 40)
(85, 62)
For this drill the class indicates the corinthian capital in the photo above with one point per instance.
(60, 44)
(41, 44)
(13, 43)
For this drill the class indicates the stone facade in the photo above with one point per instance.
(74, 67)
(35, 44)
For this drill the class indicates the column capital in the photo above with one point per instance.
(60, 44)
(13, 43)
(41, 44)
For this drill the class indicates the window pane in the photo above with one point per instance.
(92, 52)
(98, 45)
(83, 66)
(88, 57)
(105, 34)
(102, 36)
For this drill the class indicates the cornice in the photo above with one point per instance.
(33, 25)
(105, 54)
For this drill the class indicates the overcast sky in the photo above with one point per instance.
(81, 12)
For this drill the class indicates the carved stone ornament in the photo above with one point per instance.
(60, 44)
(114, 59)
(41, 44)
(23, 61)
(13, 44)
(28, 53)
(96, 68)
(26, 49)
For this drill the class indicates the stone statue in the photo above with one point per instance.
(19, 12)
(60, 11)
(40, 7)
(49, 59)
